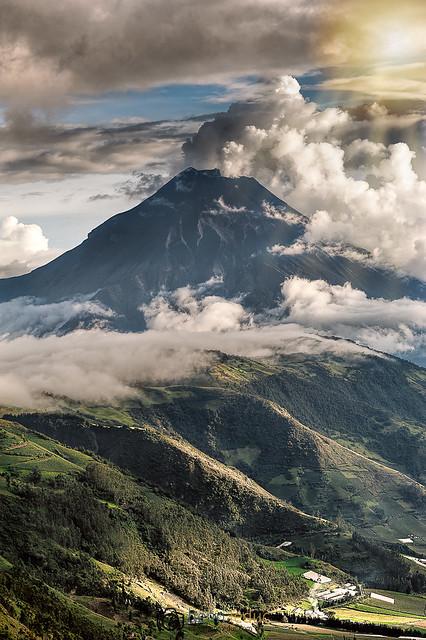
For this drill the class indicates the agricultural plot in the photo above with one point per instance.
(407, 610)
(406, 603)
(295, 565)
(21, 451)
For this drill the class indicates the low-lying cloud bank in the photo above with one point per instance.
(28, 316)
(332, 166)
(103, 367)
(185, 328)
(393, 326)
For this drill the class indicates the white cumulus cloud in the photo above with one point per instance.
(184, 311)
(394, 326)
(354, 190)
(22, 247)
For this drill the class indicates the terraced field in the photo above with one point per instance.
(21, 451)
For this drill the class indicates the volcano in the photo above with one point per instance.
(199, 227)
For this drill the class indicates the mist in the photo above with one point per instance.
(101, 367)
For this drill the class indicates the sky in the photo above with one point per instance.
(323, 102)
(94, 94)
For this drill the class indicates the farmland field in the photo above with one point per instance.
(404, 602)
(22, 450)
(408, 610)
(295, 565)
(347, 613)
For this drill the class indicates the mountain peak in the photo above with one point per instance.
(191, 171)
(200, 189)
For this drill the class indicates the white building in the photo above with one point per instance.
(316, 577)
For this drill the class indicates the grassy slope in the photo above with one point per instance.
(23, 450)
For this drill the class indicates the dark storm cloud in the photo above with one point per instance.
(34, 149)
(51, 49)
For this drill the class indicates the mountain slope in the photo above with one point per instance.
(223, 494)
(375, 405)
(60, 523)
(198, 226)
(172, 436)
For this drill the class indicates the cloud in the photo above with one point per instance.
(281, 213)
(220, 206)
(102, 196)
(88, 366)
(29, 316)
(294, 249)
(336, 249)
(39, 362)
(52, 50)
(183, 311)
(393, 326)
(22, 247)
(355, 191)
(34, 149)
(103, 367)
(397, 82)
(142, 185)
(383, 39)
(186, 328)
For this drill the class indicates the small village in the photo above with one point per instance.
(319, 599)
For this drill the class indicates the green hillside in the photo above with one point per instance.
(61, 524)
(222, 493)
(246, 416)
(209, 478)
(375, 405)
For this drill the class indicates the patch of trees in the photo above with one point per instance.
(397, 573)
(58, 526)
